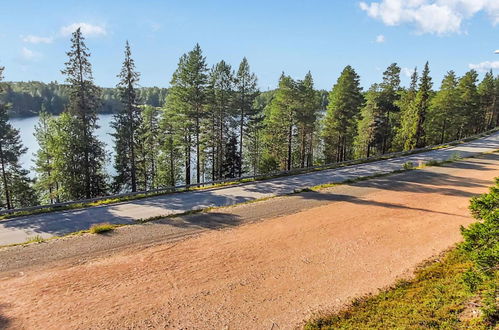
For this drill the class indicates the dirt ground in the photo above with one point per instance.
(268, 274)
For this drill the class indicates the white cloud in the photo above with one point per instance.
(37, 40)
(380, 39)
(28, 54)
(87, 29)
(407, 72)
(485, 66)
(430, 16)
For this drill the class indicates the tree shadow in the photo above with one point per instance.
(4, 321)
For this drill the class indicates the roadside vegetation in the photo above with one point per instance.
(214, 124)
(459, 290)
(101, 228)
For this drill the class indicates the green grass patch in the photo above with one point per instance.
(101, 228)
(35, 239)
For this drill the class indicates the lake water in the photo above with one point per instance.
(26, 127)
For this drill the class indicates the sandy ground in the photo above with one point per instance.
(272, 273)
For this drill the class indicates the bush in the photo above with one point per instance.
(481, 244)
(101, 228)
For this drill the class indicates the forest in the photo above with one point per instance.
(31, 98)
(214, 123)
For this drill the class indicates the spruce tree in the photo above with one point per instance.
(126, 124)
(15, 185)
(408, 120)
(343, 110)
(245, 93)
(389, 96)
(369, 139)
(232, 159)
(86, 178)
(422, 106)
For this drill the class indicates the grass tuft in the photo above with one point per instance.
(35, 239)
(101, 228)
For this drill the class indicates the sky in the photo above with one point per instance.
(293, 36)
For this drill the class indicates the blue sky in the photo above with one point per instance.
(291, 36)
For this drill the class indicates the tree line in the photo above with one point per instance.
(31, 98)
(216, 124)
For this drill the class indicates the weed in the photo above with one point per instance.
(101, 228)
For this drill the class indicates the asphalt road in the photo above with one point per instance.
(18, 230)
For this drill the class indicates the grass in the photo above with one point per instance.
(435, 298)
(35, 239)
(101, 228)
(219, 185)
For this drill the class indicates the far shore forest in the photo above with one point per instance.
(213, 123)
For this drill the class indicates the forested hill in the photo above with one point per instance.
(30, 98)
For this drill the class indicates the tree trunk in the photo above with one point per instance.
(290, 135)
(187, 159)
(4, 179)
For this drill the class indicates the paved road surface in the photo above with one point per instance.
(18, 230)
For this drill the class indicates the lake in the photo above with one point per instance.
(26, 127)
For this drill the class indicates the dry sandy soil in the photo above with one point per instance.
(262, 275)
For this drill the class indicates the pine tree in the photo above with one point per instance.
(126, 124)
(87, 153)
(443, 111)
(343, 110)
(187, 98)
(280, 124)
(15, 186)
(171, 145)
(245, 93)
(488, 101)
(221, 115)
(306, 119)
(389, 96)
(470, 117)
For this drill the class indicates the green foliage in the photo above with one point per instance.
(35, 239)
(408, 166)
(15, 186)
(434, 299)
(442, 124)
(31, 98)
(84, 160)
(101, 228)
(481, 243)
(343, 111)
(126, 126)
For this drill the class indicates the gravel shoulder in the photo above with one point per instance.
(20, 229)
(228, 269)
